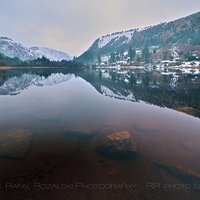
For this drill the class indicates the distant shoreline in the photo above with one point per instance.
(6, 67)
(143, 67)
(103, 67)
(28, 67)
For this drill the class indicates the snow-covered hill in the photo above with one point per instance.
(176, 37)
(12, 49)
(126, 36)
(51, 54)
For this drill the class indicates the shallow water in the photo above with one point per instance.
(70, 113)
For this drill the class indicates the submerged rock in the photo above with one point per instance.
(123, 135)
(118, 145)
(187, 145)
(81, 132)
(14, 143)
(181, 173)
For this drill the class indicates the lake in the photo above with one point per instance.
(129, 133)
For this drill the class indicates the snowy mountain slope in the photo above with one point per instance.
(182, 34)
(12, 49)
(51, 54)
(114, 37)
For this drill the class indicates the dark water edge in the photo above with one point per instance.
(60, 165)
(65, 158)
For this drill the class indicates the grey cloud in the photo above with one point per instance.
(72, 25)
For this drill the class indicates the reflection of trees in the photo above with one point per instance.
(113, 76)
(132, 80)
(170, 90)
(6, 74)
(146, 79)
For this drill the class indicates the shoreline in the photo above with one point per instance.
(6, 67)
(31, 67)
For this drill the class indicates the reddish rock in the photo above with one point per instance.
(120, 136)
(118, 145)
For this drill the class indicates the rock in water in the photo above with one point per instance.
(118, 145)
(123, 136)
(14, 143)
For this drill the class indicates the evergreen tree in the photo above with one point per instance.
(112, 58)
(132, 54)
(74, 58)
(99, 59)
(146, 54)
(165, 55)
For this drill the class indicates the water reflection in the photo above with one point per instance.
(15, 85)
(167, 88)
(173, 88)
(97, 126)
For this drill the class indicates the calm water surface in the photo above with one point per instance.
(70, 112)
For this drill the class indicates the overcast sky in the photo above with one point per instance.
(72, 25)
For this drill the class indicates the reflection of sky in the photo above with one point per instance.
(71, 25)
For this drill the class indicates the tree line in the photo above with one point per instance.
(40, 62)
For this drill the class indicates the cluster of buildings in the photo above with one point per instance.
(159, 57)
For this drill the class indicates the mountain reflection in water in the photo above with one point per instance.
(173, 88)
(100, 126)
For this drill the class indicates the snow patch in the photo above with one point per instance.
(104, 40)
(51, 54)
(109, 93)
